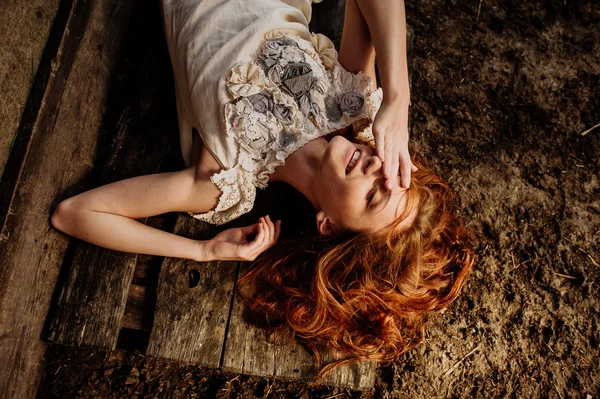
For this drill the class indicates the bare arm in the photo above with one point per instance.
(386, 22)
(105, 217)
(357, 52)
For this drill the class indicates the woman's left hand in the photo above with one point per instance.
(235, 243)
(390, 129)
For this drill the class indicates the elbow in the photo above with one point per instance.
(62, 214)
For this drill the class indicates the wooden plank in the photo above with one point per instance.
(248, 349)
(65, 127)
(24, 29)
(294, 361)
(193, 302)
(141, 128)
(355, 375)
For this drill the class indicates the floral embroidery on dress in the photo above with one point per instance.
(293, 92)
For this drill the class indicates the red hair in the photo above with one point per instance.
(365, 295)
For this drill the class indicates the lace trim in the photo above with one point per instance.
(295, 92)
(236, 187)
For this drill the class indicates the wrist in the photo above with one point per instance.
(203, 251)
(397, 97)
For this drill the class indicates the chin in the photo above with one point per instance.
(329, 156)
(339, 141)
(336, 150)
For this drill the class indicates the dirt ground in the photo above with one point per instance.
(501, 94)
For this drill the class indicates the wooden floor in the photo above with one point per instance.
(102, 109)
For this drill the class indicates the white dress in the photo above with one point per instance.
(257, 85)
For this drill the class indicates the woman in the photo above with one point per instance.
(261, 99)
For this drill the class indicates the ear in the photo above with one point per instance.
(324, 223)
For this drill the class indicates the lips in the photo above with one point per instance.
(352, 159)
(349, 155)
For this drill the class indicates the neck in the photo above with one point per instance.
(301, 168)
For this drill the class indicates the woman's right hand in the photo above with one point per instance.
(234, 243)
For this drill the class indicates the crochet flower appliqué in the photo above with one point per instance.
(294, 88)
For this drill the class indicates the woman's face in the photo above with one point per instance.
(350, 188)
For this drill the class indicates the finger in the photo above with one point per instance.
(379, 144)
(395, 170)
(271, 230)
(260, 236)
(405, 169)
(384, 166)
(252, 229)
(265, 237)
(278, 230)
(413, 167)
(389, 164)
(264, 243)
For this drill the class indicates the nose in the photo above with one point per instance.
(373, 164)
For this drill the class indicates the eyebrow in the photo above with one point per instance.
(377, 187)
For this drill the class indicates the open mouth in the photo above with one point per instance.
(353, 161)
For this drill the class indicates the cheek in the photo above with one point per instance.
(352, 202)
(334, 196)
(345, 203)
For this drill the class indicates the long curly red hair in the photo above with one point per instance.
(365, 295)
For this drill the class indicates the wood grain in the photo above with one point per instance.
(66, 126)
(94, 296)
(193, 302)
(248, 348)
(24, 29)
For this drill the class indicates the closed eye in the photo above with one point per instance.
(370, 196)
(377, 186)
